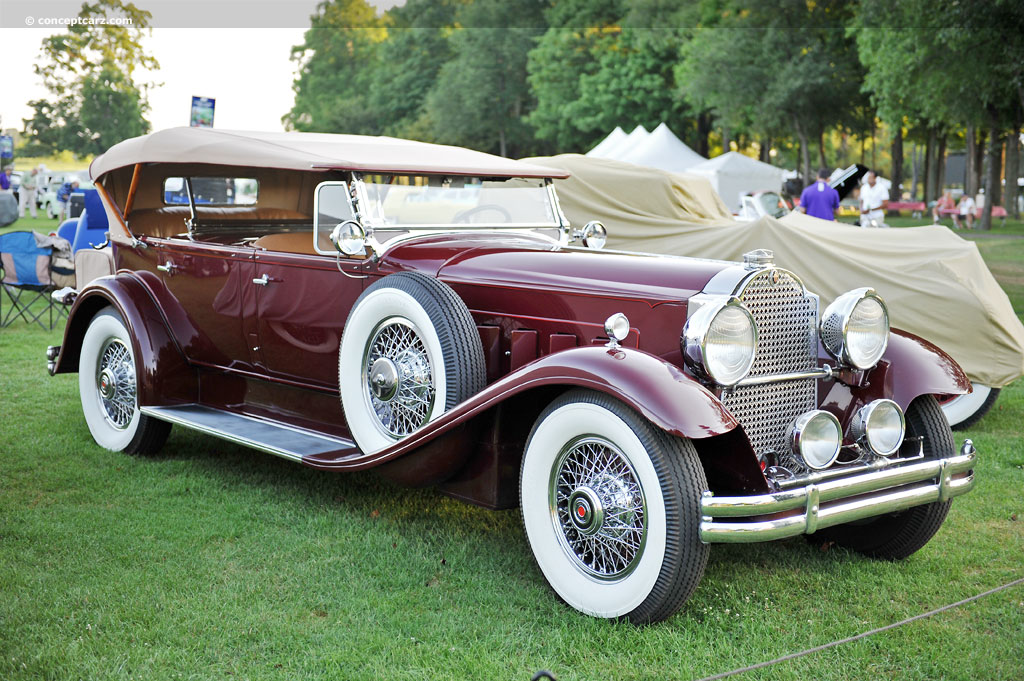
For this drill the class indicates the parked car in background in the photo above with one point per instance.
(429, 312)
(756, 205)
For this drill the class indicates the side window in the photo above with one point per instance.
(333, 204)
(212, 191)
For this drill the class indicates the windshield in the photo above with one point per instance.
(432, 201)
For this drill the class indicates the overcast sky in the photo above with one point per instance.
(246, 69)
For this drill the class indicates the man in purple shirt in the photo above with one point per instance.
(819, 199)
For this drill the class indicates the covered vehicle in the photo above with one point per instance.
(428, 311)
(935, 283)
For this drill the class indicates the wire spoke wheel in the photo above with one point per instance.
(115, 383)
(598, 507)
(398, 377)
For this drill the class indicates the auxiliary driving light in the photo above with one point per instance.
(816, 437)
(617, 328)
(880, 425)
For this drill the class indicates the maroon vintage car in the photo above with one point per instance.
(349, 302)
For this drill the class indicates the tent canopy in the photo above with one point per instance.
(732, 175)
(609, 142)
(935, 283)
(638, 135)
(663, 150)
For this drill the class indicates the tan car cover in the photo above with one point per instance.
(935, 283)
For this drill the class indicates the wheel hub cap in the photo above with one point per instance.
(384, 379)
(107, 384)
(598, 508)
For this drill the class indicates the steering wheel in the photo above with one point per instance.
(464, 215)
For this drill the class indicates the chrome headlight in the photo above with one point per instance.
(816, 438)
(855, 328)
(720, 341)
(880, 425)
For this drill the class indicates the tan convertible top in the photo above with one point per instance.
(308, 151)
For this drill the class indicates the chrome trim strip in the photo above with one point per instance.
(834, 472)
(822, 372)
(891, 490)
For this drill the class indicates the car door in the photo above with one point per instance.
(212, 284)
(302, 302)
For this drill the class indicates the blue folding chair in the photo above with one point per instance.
(26, 279)
(92, 223)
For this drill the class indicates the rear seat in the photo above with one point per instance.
(170, 220)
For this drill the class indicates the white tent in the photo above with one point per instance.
(609, 142)
(732, 175)
(623, 144)
(663, 150)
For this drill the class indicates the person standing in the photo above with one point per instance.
(5, 179)
(819, 199)
(27, 193)
(874, 200)
(64, 196)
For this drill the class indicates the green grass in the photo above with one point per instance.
(214, 561)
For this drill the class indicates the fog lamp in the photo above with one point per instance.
(816, 437)
(594, 235)
(880, 425)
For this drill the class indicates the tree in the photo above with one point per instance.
(336, 62)
(481, 94)
(949, 63)
(775, 67)
(89, 71)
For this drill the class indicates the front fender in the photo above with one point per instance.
(659, 390)
(164, 376)
(915, 367)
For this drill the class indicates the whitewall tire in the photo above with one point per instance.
(611, 508)
(963, 411)
(409, 352)
(107, 385)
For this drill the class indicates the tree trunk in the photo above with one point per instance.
(1013, 170)
(995, 191)
(726, 142)
(501, 141)
(897, 164)
(913, 171)
(995, 149)
(703, 130)
(979, 161)
(970, 187)
(940, 166)
(821, 150)
(764, 151)
(805, 151)
(929, 165)
(874, 143)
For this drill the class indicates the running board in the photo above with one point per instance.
(287, 442)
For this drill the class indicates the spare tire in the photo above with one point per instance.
(409, 352)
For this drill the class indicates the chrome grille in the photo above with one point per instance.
(787, 341)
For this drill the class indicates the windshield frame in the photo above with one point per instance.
(362, 198)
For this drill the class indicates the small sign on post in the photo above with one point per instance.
(202, 112)
(6, 146)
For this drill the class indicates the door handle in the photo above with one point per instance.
(262, 281)
(167, 267)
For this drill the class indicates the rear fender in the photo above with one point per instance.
(164, 376)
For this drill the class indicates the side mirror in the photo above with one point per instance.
(349, 238)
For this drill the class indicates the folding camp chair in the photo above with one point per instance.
(26, 280)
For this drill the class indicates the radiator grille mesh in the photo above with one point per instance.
(787, 341)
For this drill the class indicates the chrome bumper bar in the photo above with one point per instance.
(820, 505)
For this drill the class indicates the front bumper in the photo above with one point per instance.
(824, 502)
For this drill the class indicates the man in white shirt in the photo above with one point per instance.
(874, 200)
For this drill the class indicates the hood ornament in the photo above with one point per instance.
(756, 259)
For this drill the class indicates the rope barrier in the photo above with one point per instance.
(850, 639)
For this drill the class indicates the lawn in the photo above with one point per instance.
(214, 561)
